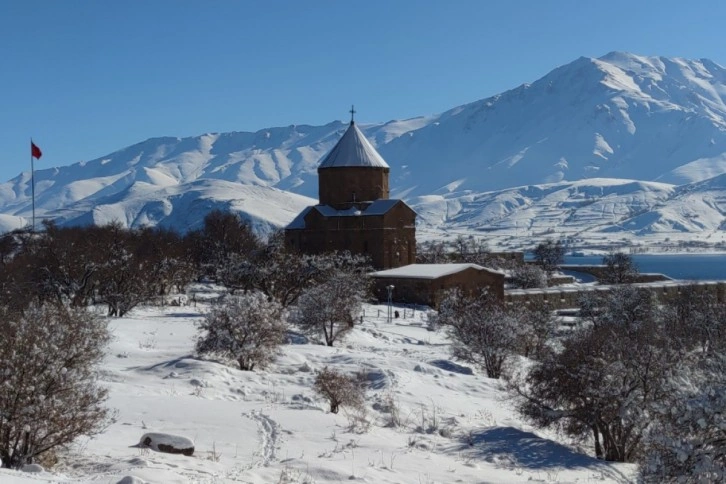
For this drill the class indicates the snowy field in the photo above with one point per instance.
(268, 426)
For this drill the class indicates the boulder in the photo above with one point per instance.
(170, 444)
(131, 480)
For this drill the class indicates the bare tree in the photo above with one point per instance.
(695, 318)
(9, 245)
(431, 252)
(619, 268)
(165, 259)
(470, 250)
(330, 309)
(248, 329)
(339, 389)
(481, 329)
(600, 385)
(283, 274)
(533, 329)
(549, 254)
(224, 237)
(49, 393)
(124, 281)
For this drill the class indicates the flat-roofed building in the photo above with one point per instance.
(426, 283)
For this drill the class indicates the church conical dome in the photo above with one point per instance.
(353, 149)
(354, 212)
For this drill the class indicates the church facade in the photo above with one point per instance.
(354, 212)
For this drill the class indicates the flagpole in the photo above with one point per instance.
(32, 181)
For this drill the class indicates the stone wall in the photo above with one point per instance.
(598, 271)
(567, 298)
(389, 239)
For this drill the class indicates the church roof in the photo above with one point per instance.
(378, 207)
(429, 271)
(353, 149)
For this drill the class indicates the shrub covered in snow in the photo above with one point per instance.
(529, 276)
(48, 392)
(482, 330)
(330, 309)
(339, 389)
(688, 444)
(247, 329)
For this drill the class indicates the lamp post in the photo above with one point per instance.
(390, 302)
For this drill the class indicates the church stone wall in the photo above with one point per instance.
(389, 240)
(399, 244)
(340, 186)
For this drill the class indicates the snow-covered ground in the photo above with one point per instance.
(268, 426)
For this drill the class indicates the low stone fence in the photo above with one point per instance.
(567, 298)
(598, 271)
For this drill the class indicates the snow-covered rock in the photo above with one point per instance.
(171, 444)
(131, 480)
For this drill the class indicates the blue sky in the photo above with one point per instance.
(86, 78)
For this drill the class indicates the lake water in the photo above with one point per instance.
(689, 266)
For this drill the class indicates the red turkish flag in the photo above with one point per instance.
(35, 151)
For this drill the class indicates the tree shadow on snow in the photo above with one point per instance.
(452, 367)
(185, 361)
(183, 315)
(296, 338)
(529, 451)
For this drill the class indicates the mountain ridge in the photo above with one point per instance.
(623, 116)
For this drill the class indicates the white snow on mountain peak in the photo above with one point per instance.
(619, 116)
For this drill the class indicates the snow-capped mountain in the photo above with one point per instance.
(182, 206)
(621, 116)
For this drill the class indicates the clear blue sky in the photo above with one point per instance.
(85, 78)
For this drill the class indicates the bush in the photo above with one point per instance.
(482, 330)
(248, 329)
(330, 309)
(339, 389)
(688, 441)
(528, 276)
(48, 392)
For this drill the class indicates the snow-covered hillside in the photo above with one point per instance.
(587, 213)
(621, 116)
(184, 206)
(269, 426)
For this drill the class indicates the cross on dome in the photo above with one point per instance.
(353, 149)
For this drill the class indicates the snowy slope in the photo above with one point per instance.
(184, 206)
(588, 213)
(621, 116)
(268, 426)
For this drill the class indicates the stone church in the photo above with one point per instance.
(354, 212)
